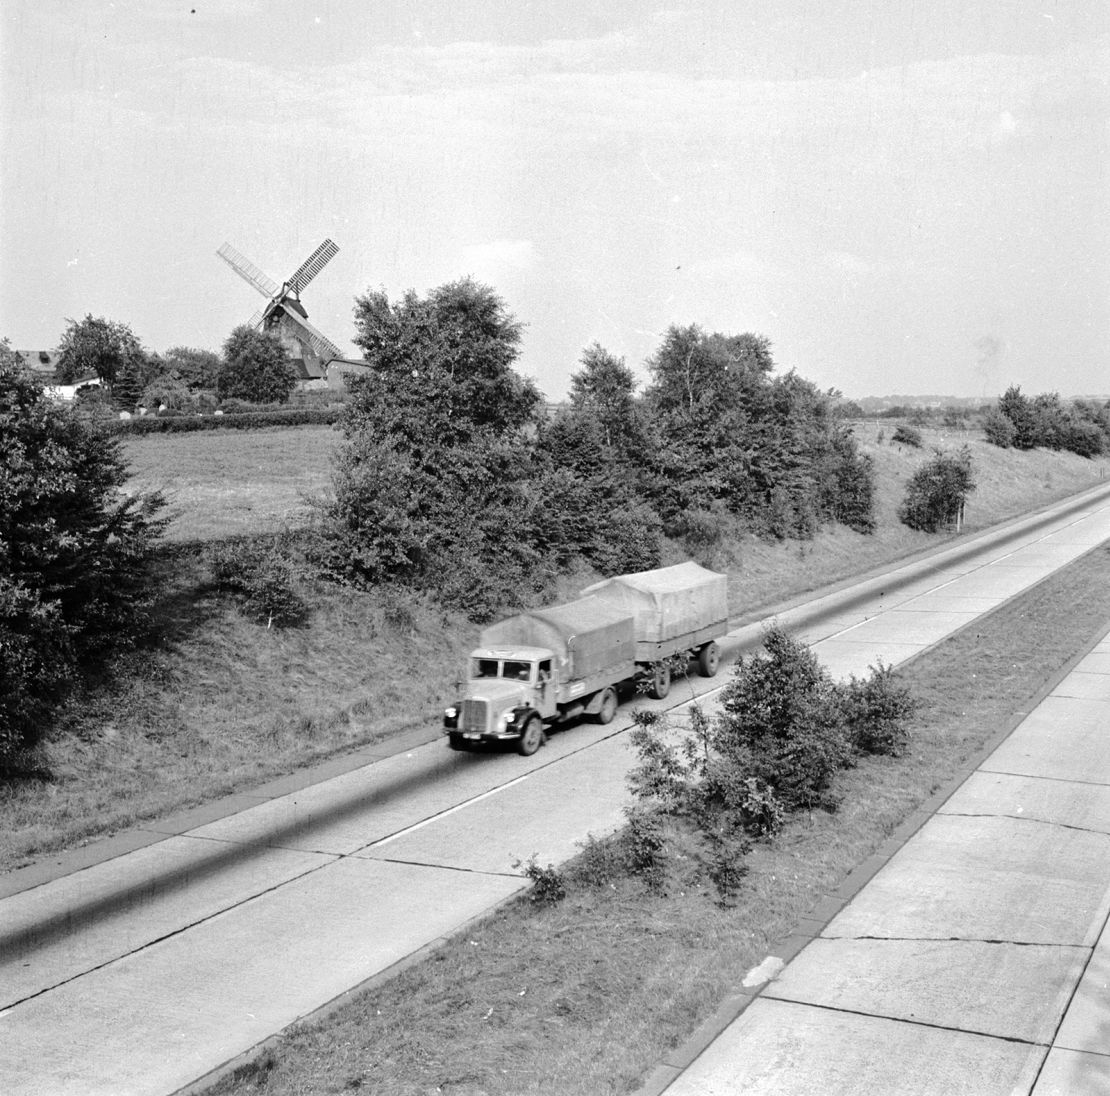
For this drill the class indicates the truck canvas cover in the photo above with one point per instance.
(669, 602)
(587, 636)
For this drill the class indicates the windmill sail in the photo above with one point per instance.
(312, 265)
(248, 271)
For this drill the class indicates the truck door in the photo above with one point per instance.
(545, 688)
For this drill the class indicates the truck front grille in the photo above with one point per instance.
(475, 715)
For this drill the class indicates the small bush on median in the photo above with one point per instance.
(548, 884)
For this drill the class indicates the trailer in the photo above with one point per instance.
(552, 665)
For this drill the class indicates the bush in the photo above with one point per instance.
(936, 492)
(263, 578)
(255, 367)
(158, 424)
(999, 429)
(876, 710)
(548, 884)
(907, 435)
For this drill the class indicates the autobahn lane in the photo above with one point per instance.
(233, 930)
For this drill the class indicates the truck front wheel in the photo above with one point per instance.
(660, 681)
(607, 709)
(531, 738)
(709, 658)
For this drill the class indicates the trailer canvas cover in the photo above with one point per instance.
(668, 602)
(588, 635)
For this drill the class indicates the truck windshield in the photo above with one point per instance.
(511, 669)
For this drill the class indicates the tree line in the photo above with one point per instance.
(452, 476)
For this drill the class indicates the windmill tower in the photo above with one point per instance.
(285, 316)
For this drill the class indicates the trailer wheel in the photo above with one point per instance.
(709, 658)
(532, 737)
(660, 681)
(608, 707)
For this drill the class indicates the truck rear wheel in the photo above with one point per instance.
(608, 707)
(660, 681)
(709, 658)
(532, 737)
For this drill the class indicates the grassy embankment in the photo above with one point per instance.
(583, 998)
(221, 703)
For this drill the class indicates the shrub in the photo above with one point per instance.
(255, 367)
(645, 845)
(876, 710)
(936, 492)
(907, 435)
(779, 723)
(999, 429)
(263, 578)
(548, 884)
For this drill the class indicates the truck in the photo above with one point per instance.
(549, 666)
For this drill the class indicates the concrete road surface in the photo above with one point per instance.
(148, 963)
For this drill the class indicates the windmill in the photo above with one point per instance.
(285, 315)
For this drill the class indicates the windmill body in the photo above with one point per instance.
(284, 315)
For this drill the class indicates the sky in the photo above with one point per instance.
(904, 198)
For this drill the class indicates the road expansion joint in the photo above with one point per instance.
(1025, 818)
(440, 867)
(908, 1020)
(962, 940)
(1036, 776)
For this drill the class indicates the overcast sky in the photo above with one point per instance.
(904, 197)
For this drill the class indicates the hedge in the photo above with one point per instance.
(174, 424)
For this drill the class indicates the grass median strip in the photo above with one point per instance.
(586, 995)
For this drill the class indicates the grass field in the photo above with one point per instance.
(583, 998)
(226, 482)
(220, 703)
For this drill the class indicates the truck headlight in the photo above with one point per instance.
(504, 719)
(451, 713)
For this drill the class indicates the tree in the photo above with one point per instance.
(1019, 411)
(606, 389)
(441, 367)
(432, 483)
(96, 347)
(936, 492)
(194, 367)
(73, 552)
(255, 368)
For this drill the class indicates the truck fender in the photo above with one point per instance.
(521, 717)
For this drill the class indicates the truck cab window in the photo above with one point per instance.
(517, 671)
(485, 667)
(545, 671)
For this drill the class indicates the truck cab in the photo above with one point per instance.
(508, 691)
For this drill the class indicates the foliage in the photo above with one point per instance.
(264, 577)
(999, 428)
(1046, 422)
(432, 486)
(152, 424)
(548, 884)
(73, 552)
(193, 367)
(936, 492)
(907, 435)
(783, 732)
(255, 367)
(771, 450)
(96, 347)
(780, 723)
(876, 710)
